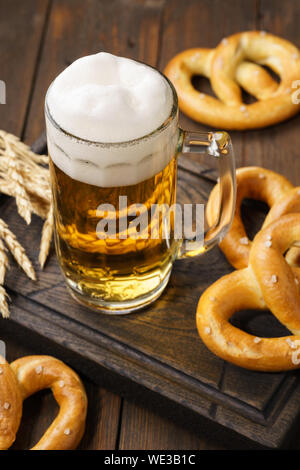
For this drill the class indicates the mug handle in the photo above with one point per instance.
(215, 145)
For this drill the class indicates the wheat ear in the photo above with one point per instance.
(16, 250)
(3, 262)
(46, 237)
(4, 310)
(3, 303)
(22, 198)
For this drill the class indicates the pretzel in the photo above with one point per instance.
(267, 282)
(260, 184)
(35, 373)
(10, 405)
(235, 63)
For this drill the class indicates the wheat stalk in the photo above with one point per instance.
(3, 262)
(21, 196)
(24, 175)
(16, 250)
(4, 310)
(3, 303)
(40, 206)
(20, 148)
(46, 237)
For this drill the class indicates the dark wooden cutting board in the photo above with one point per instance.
(156, 356)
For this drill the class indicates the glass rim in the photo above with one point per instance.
(151, 134)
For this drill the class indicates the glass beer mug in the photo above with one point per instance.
(118, 227)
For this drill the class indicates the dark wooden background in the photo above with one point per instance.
(38, 39)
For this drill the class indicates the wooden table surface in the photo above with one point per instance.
(38, 39)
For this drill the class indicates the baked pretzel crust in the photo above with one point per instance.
(35, 373)
(267, 282)
(237, 62)
(259, 184)
(10, 405)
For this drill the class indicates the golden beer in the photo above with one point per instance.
(119, 269)
(113, 136)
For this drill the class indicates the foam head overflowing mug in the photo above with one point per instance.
(113, 141)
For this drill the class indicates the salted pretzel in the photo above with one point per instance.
(259, 184)
(237, 62)
(34, 373)
(10, 405)
(268, 282)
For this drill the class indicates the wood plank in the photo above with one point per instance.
(21, 29)
(204, 24)
(102, 420)
(145, 430)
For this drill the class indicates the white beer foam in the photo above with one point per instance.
(107, 99)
